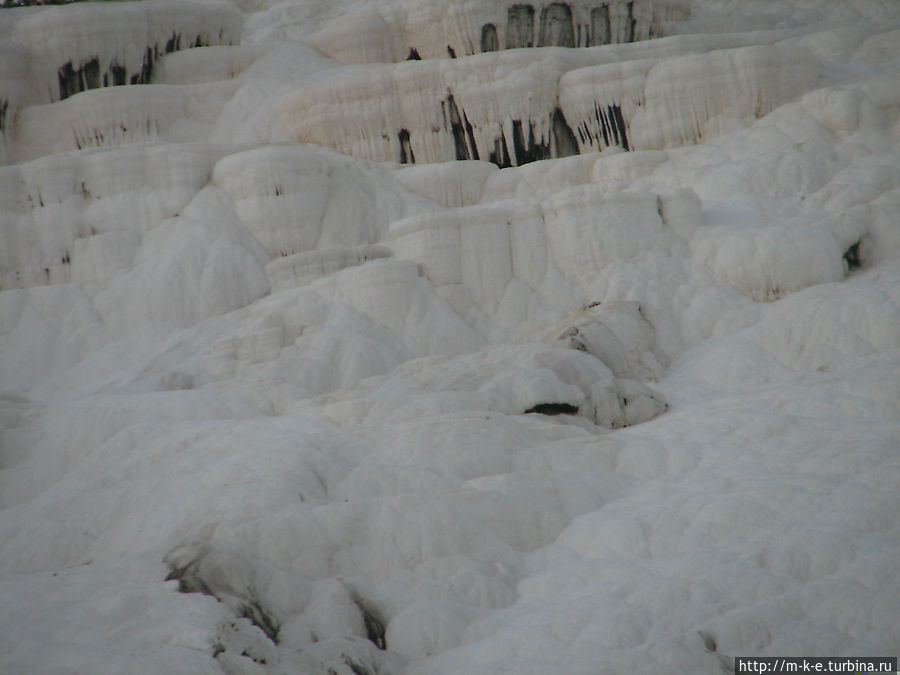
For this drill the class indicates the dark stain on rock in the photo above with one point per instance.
(500, 153)
(90, 71)
(459, 129)
(119, 75)
(146, 72)
(74, 80)
(616, 112)
(406, 153)
(146, 67)
(68, 81)
(173, 44)
(629, 35)
(520, 26)
(611, 124)
(470, 135)
(556, 26)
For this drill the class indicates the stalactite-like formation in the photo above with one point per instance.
(87, 75)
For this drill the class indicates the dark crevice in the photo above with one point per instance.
(470, 134)
(451, 52)
(852, 258)
(68, 81)
(612, 125)
(413, 55)
(261, 619)
(507, 159)
(456, 128)
(173, 44)
(563, 137)
(601, 121)
(406, 153)
(143, 77)
(530, 150)
(74, 80)
(190, 581)
(147, 67)
(374, 622)
(91, 73)
(518, 142)
(553, 409)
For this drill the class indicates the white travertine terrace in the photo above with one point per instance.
(422, 29)
(52, 53)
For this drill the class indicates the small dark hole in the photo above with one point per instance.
(851, 257)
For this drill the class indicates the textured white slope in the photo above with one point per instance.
(285, 386)
(105, 117)
(107, 45)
